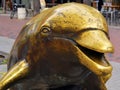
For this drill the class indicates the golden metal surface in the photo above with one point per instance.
(58, 40)
(96, 40)
(18, 71)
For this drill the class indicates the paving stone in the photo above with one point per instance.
(114, 82)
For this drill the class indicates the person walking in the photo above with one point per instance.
(100, 3)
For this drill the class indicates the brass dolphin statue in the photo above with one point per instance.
(62, 48)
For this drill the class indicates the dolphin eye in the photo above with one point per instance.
(45, 31)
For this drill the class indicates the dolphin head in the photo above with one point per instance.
(67, 34)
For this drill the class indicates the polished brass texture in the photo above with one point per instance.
(61, 46)
(18, 71)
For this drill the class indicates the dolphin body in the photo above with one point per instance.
(62, 48)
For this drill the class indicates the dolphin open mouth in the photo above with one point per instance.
(97, 57)
(94, 61)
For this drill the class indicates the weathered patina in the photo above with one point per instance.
(62, 48)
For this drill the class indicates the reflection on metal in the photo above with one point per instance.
(18, 71)
(62, 47)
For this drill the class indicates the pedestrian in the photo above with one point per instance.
(100, 3)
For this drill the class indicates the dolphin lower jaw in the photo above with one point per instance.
(103, 71)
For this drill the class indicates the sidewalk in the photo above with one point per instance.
(10, 28)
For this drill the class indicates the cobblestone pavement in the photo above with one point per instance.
(10, 27)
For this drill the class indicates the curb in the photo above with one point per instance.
(115, 27)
